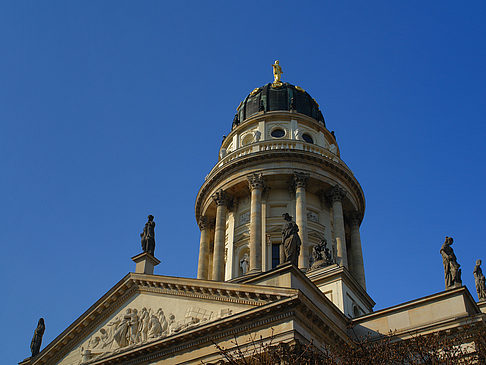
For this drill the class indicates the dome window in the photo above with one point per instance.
(307, 137)
(278, 133)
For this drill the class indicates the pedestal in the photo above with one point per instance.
(145, 263)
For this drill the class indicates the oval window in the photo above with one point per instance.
(307, 137)
(278, 133)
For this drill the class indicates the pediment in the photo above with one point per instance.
(143, 309)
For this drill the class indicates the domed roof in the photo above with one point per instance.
(283, 97)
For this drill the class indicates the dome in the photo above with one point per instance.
(273, 98)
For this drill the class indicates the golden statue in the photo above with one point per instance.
(277, 72)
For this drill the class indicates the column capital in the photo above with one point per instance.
(336, 194)
(203, 223)
(255, 181)
(220, 197)
(300, 179)
(354, 218)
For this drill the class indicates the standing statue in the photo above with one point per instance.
(148, 236)
(480, 281)
(37, 339)
(244, 264)
(277, 74)
(452, 272)
(290, 240)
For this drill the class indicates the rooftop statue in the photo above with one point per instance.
(290, 240)
(148, 236)
(480, 281)
(452, 272)
(277, 73)
(321, 255)
(37, 338)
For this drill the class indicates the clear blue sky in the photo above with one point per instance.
(111, 110)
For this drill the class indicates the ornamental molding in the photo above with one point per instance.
(255, 181)
(266, 156)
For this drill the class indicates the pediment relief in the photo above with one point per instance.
(147, 318)
(165, 306)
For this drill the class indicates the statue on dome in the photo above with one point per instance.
(148, 236)
(479, 281)
(452, 271)
(277, 74)
(37, 338)
(290, 240)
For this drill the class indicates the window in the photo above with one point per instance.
(275, 255)
(307, 137)
(278, 133)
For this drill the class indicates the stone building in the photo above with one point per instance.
(278, 158)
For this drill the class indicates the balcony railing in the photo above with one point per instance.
(281, 144)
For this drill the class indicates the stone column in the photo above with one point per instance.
(255, 182)
(203, 263)
(356, 251)
(336, 195)
(300, 180)
(221, 199)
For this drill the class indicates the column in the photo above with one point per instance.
(220, 198)
(255, 182)
(203, 263)
(336, 195)
(300, 180)
(356, 251)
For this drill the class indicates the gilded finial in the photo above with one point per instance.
(277, 73)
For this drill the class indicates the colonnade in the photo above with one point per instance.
(256, 186)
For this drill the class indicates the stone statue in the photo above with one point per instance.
(452, 272)
(37, 339)
(244, 264)
(321, 255)
(277, 74)
(292, 104)
(290, 240)
(480, 281)
(148, 236)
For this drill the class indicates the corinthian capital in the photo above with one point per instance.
(255, 181)
(355, 218)
(336, 194)
(220, 197)
(300, 179)
(203, 223)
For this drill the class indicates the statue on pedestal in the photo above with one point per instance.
(321, 255)
(277, 74)
(37, 339)
(290, 240)
(480, 281)
(148, 236)
(452, 272)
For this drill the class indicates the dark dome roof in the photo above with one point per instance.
(285, 97)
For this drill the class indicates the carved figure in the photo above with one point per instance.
(480, 281)
(291, 240)
(162, 320)
(144, 324)
(37, 338)
(155, 330)
(277, 74)
(134, 324)
(121, 332)
(321, 255)
(244, 264)
(236, 121)
(452, 272)
(148, 236)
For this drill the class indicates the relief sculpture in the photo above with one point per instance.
(135, 327)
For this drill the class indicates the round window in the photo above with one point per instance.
(278, 133)
(307, 137)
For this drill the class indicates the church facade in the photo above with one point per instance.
(256, 280)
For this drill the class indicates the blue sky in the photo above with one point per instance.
(111, 110)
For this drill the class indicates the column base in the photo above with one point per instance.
(145, 263)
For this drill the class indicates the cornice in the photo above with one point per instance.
(287, 155)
